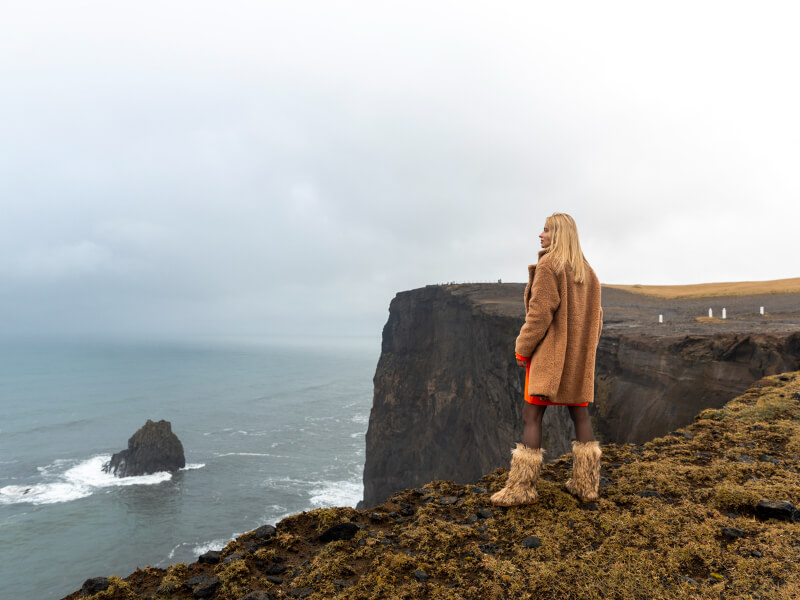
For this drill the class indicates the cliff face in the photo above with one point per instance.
(647, 386)
(447, 401)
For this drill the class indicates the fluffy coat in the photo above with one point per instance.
(563, 321)
(526, 466)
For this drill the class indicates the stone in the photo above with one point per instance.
(485, 513)
(209, 558)
(206, 587)
(94, 585)
(342, 583)
(420, 575)
(341, 531)
(650, 494)
(605, 482)
(756, 554)
(376, 517)
(473, 518)
(274, 579)
(447, 500)
(275, 569)
(476, 489)
(774, 509)
(232, 558)
(732, 533)
(257, 595)
(744, 458)
(590, 506)
(265, 532)
(152, 449)
(490, 548)
(531, 542)
(304, 592)
(703, 455)
(796, 396)
(784, 378)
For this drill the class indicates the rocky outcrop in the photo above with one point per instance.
(647, 386)
(447, 389)
(152, 449)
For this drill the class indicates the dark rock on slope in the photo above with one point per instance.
(152, 449)
(447, 395)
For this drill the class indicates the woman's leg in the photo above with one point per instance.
(583, 425)
(532, 416)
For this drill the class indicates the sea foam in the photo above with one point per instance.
(74, 483)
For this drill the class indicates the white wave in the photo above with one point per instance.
(336, 493)
(75, 483)
(248, 454)
(193, 466)
(213, 545)
(362, 419)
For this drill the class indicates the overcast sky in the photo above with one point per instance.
(179, 168)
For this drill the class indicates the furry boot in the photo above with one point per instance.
(585, 480)
(526, 465)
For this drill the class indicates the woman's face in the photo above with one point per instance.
(544, 237)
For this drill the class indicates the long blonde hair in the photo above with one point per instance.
(565, 246)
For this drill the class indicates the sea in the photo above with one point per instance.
(269, 429)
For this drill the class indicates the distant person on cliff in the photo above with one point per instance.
(557, 346)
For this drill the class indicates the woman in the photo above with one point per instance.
(557, 345)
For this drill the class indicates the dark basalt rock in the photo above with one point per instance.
(152, 449)
(420, 575)
(773, 509)
(265, 532)
(531, 542)
(204, 586)
(210, 558)
(94, 585)
(342, 531)
(257, 595)
(732, 532)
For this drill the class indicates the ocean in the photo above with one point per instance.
(268, 430)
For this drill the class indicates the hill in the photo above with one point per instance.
(708, 290)
(704, 512)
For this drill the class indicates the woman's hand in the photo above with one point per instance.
(521, 362)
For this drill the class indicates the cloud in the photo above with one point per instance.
(186, 168)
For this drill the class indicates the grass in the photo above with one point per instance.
(702, 290)
(655, 532)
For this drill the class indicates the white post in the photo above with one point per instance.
(710, 314)
(762, 311)
(660, 318)
(724, 314)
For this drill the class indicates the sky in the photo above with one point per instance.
(256, 169)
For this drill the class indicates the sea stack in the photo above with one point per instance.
(152, 449)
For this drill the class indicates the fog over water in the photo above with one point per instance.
(256, 169)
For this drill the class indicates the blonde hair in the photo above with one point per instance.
(565, 246)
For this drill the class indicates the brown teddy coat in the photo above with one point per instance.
(563, 321)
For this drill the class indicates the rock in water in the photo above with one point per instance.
(152, 449)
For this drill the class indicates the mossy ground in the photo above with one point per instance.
(656, 532)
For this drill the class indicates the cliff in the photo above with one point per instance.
(447, 391)
(706, 512)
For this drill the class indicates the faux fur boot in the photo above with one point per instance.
(585, 480)
(526, 465)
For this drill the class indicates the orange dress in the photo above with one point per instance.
(539, 400)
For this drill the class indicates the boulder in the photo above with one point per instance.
(152, 449)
